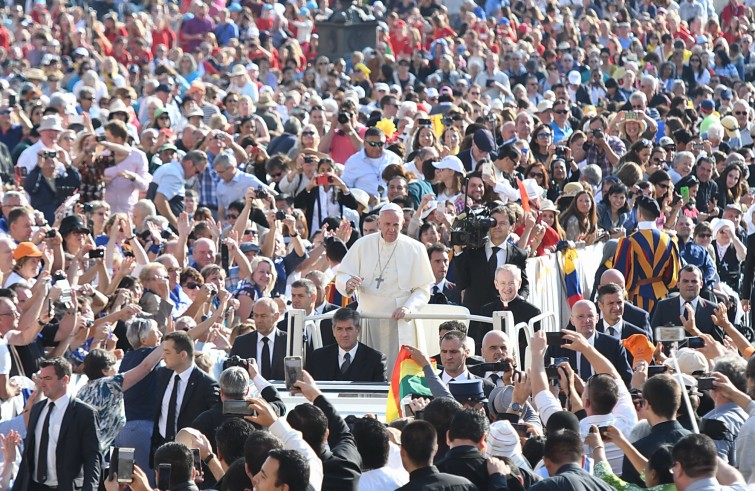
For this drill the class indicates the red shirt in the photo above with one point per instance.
(164, 36)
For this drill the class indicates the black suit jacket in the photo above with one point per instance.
(522, 310)
(246, 347)
(608, 346)
(310, 200)
(466, 461)
(367, 366)
(78, 459)
(430, 478)
(342, 463)
(473, 276)
(627, 330)
(466, 158)
(667, 313)
(450, 292)
(202, 392)
(638, 317)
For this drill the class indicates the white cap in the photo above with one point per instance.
(391, 207)
(503, 441)
(533, 188)
(575, 78)
(450, 162)
(431, 207)
(432, 92)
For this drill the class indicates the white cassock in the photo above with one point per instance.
(394, 275)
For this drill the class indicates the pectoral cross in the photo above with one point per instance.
(379, 280)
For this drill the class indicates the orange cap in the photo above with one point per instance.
(26, 249)
(640, 347)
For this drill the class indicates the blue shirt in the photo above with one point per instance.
(692, 253)
(208, 186)
(559, 134)
(733, 417)
(225, 32)
(12, 137)
(140, 401)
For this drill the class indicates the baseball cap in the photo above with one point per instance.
(26, 249)
(575, 78)
(450, 162)
(483, 139)
(432, 93)
(666, 141)
(708, 106)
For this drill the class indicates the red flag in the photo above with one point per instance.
(524, 195)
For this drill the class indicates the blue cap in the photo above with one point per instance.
(708, 105)
(479, 12)
(304, 11)
(267, 6)
(311, 5)
(504, 20)
(234, 7)
(467, 390)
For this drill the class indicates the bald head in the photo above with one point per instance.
(612, 276)
(496, 346)
(204, 252)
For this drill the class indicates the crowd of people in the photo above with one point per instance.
(179, 176)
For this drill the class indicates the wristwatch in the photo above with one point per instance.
(516, 407)
(208, 459)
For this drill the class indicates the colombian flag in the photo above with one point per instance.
(571, 278)
(407, 379)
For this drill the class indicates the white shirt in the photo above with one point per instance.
(271, 345)
(440, 286)
(56, 420)
(447, 378)
(692, 303)
(365, 173)
(617, 327)
(184, 376)
(623, 416)
(501, 255)
(649, 225)
(342, 354)
(5, 358)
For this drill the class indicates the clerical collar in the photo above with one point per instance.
(385, 243)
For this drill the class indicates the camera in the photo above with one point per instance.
(280, 215)
(101, 138)
(50, 234)
(560, 151)
(87, 207)
(470, 229)
(343, 117)
(261, 192)
(309, 159)
(598, 133)
(235, 361)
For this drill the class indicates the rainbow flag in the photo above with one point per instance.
(407, 378)
(571, 278)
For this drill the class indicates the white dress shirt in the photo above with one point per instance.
(56, 420)
(352, 352)
(270, 343)
(501, 255)
(692, 303)
(618, 327)
(184, 376)
(447, 378)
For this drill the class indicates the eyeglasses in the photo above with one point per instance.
(694, 60)
(534, 175)
(376, 144)
(192, 286)
(544, 136)
(562, 111)
(737, 113)
(232, 217)
(249, 231)
(307, 133)
(5, 112)
(705, 236)
(664, 186)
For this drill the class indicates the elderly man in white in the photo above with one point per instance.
(391, 274)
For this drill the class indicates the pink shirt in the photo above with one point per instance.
(122, 193)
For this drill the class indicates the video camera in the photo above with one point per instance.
(235, 361)
(470, 228)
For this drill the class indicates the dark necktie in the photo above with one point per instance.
(436, 290)
(585, 370)
(346, 363)
(438, 298)
(493, 261)
(170, 424)
(613, 332)
(44, 442)
(265, 362)
(494, 377)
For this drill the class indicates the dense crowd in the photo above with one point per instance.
(178, 177)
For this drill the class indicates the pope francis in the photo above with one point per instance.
(391, 274)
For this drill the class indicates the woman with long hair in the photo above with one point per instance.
(613, 211)
(730, 185)
(448, 178)
(260, 284)
(541, 143)
(539, 173)
(580, 219)
(309, 139)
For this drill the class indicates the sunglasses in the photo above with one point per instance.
(5, 112)
(544, 136)
(705, 236)
(232, 217)
(307, 133)
(193, 286)
(533, 175)
(738, 113)
(248, 231)
(376, 144)
(664, 186)
(561, 111)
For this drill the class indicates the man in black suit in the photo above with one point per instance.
(419, 443)
(347, 359)
(74, 464)
(584, 317)
(442, 292)
(632, 314)
(483, 144)
(474, 269)
(184, 390)
(508, 281)
(304, 297)
(321, 306)
(453, 356)
(256, 344)
(611, 305)
(688, 309)
(320, 422)
(181, 460)
(234, 386)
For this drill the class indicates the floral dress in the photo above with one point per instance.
(603, 472)
(105, 395)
